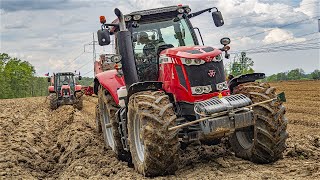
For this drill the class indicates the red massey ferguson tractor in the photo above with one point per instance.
(64, 90)
(167, 91)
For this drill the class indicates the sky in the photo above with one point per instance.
(53, 34)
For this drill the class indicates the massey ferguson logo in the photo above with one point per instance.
(211, 73)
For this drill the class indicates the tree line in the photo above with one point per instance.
(295, 74)
(17, 79)
(244, 65)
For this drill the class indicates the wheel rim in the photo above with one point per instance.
(245, 138)
(138, 140)
(107, 131)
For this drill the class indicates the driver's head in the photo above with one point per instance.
(143, 38)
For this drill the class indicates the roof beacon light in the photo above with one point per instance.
(102, 19)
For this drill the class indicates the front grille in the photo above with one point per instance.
(199, 75)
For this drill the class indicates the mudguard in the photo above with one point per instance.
(244, 79)
(144, 86)
(51, 89)
(110, 81)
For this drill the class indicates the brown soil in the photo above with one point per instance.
(37, 143)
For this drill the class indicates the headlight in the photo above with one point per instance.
(187, 10)
(180, 10)
(222, 86)
(218, 57)
(201, 89)
(127, 18)
(137, 17)
(207, 89)
(197, 61)
(116, 58)
(188, 61)
(198, 90)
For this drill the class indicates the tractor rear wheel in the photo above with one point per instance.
(154, 149)
(112, 136)
(264, 142)
(53, 101)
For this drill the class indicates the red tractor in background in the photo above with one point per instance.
(165, 92)
(64, 90)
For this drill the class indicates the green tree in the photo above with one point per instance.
(315, 74)
(241, 65)
(86, 81)
(281, 76)
(296, 74)
(17, 78)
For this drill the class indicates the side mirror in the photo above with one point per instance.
(217, 18)
(49, 79)
(80, 77)
(103, 37)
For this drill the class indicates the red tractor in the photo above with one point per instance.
(166, 91)
(64, 90)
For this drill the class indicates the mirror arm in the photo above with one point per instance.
(200, 12)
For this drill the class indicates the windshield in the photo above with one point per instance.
(65, 80)
(150, 39)
(174, 33)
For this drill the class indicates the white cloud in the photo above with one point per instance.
(313, 7)
(280, 35)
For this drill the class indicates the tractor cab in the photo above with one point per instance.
(65, 82)
(166, 49)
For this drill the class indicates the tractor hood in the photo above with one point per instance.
(65, 87)
(205, 53)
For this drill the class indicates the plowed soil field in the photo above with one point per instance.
(37, 143)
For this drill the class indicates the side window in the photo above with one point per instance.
(167, 35)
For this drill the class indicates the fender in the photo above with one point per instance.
(51, 89)
(144, 86)
(78, 88)
(244, 79)
(110, 81)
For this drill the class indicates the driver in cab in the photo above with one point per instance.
(150, 46)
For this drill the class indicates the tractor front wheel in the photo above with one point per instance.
(154, 149)
(53, 101)
(107, 115)
(265, 141)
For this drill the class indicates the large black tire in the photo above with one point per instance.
(264, 142)
(154, 149)
(53, 101)
(98, 121)
(112, 137)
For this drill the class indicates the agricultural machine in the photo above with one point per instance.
(63, 90)
(165, 91)
(87, 90)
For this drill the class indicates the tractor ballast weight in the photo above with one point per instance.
(154, 102)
